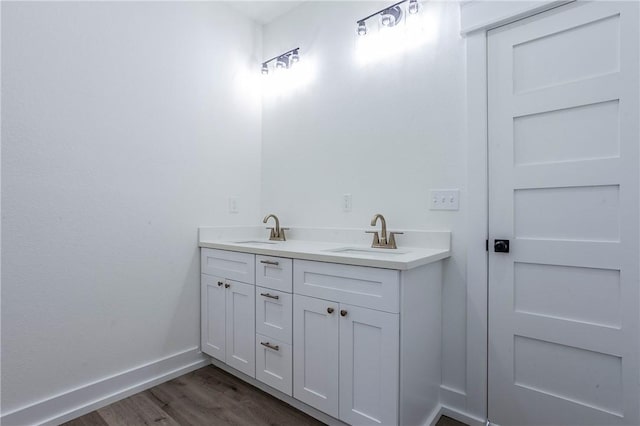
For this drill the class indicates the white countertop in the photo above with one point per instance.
(345, 246)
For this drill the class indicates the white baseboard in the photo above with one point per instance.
(69, 405)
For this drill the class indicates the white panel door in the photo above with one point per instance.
(240, 323)
(212, 328)
(369, 364)
(315, 353)
(563, 185)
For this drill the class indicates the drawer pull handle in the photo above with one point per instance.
(271, 296)
(227, 285)
(220, 283)
(343, 313)
(330, 310)
(270, 346)
(270, 262)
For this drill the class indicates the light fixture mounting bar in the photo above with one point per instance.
(381, 10)
(283, 54)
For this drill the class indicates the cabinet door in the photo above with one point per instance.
(315, 353)
(212, 299)
(369, 364)
(240, 323)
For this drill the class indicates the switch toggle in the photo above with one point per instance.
(444, 199)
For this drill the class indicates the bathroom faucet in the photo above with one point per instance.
(380, 241)
(277, 233)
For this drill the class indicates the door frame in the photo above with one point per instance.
(477, 19)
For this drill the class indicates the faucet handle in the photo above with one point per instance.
(392, 239)
(376, 238)
(272, 233)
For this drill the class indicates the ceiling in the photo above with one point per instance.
(263, 11)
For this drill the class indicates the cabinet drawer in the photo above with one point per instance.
(356, 285)
(228, 264)
(274, 314)
(273, 363)
(274, 272)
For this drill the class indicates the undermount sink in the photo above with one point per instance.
(255, 242)
(367, 252)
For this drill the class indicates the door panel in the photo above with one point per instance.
(240, 323)
(315, 353)
(563, 187)
(213, 316)
(369, 362)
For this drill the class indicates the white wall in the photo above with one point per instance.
(125, 127)
(386, 133)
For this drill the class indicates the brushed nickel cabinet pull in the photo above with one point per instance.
(220, 283)
(343, 313)
(270, 346)
(227, 285)
(271, 296)
(270, 262)
(330, 310)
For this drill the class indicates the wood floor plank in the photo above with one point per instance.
(210, 393)
(136, 410)
(448, 421)
(91, 419)
(205, 397)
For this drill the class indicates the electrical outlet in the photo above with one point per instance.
(233, 205)
(346, 203)
(444, 199)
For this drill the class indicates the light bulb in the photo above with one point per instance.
(282, 62)
(391, 16)
(413, 6)
(362, 28)
(295, 57)
(265, 69)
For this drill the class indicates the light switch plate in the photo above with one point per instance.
(233, 205)
(444, 199)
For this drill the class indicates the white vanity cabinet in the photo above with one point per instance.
(358, 343)
(228, 308)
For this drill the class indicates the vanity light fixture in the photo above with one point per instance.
(389, 16)
(283, 61)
